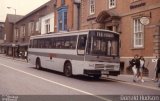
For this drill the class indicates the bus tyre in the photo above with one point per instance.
(97, 76)
(68, 69)
(38, 64)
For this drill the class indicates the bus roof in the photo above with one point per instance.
(77, 32)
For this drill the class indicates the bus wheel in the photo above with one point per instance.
(97, 76)
(38, 63)
(68, 69)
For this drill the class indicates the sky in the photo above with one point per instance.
(22, 7)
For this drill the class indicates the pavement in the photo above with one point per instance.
(123, 78)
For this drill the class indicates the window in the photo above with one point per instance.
(62, 2)
(112, 3)
(92, 7)
(30, 28)
(22, 31)
(66, 42)
(65, 20)
(38, 26)
(62, 19)
(138, 34)
(82, 44)
(16, 33)
(47, 26)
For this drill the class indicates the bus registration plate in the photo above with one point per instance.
(104, 72)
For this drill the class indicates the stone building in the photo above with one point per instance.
(125, 18)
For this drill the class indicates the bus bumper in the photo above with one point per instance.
(101, 72)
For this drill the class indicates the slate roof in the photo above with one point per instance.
(14, 18)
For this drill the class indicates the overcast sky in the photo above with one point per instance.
(22, 7)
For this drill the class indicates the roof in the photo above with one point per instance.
(34, 11)
(13, 18)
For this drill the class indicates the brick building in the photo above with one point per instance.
(9, 33)
(67, 15)
(53, 16)
(38, 21)
(1, 36)
(124, 17)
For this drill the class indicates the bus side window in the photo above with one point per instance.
(82, 44)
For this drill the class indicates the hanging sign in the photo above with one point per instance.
(144, 20)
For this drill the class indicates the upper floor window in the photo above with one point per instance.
(92, 6)
(138, 34)
(62, 19)
(62, 2)
(22, 31)
(38, 26)
(112, 3)
(47, 25)
(16, 33)
(30, 28)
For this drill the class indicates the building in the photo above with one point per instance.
(8, 29)
(1, 36)
(67, 15)
(38, 21)
(125, 18)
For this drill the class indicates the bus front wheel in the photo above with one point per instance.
(68, 69)
(38, 63)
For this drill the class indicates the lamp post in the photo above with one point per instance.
(13, 9)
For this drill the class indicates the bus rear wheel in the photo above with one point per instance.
(68, 69)
(38, 64)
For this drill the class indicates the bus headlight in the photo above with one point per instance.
(91, 65)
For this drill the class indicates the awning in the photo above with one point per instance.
(106, 15)
(14, 44)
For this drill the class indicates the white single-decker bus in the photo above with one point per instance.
(92, 52)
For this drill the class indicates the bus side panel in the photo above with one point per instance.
(32, 59)
(78, 67)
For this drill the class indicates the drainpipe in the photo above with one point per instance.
(78, 3)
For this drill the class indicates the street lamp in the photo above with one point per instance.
(12, 8)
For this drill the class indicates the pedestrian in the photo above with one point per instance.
(25, 55)
(155, 67)
(142, 62)
(134, 64)
(138, 66)
(157, 70)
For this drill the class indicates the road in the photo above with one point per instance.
(21, 78)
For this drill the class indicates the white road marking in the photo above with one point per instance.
(99, 97)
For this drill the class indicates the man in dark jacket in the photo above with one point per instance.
(158, 69)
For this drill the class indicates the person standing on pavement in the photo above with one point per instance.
(26, 55)
(158, 70)
(142, 62)
(155, 67)
(134, 63)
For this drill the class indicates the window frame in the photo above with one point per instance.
(138, 33)
(112, 4)
(47, 26)
(92, 7)
(62, 19)
(22, 31)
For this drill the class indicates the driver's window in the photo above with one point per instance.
(82, 44)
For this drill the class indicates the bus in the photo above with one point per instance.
(91, 52)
